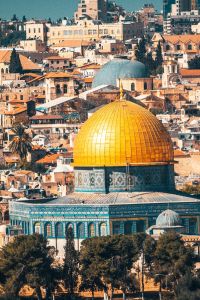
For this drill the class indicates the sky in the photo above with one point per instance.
(56, 8)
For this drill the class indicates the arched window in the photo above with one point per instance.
(69, 225)
(132, 86)
(103, 231)
(145, 86)
(189, 47)
(167, 47)
(65, 88)
(47, 230)
(59, 230)
(116, 227)
(128, 228)
(37, 228)
(91, 230)
(178, 47)
(2, 71)
(6, 215)
(81, 230)
(7, 70)
(140, 226)
(58, 90)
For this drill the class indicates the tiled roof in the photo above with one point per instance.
(72, 43)
(185, 38)
(90, 67)
(190, 72)
(49, 159)
(27, 64)
(88, 79)
(47, 117)
(179, 153)
(56, 58)
(53, 75)
(15, 111)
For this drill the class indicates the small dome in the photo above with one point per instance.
(119, 68)
(168, 218)
(122, 133)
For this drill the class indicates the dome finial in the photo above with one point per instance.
(121, 91)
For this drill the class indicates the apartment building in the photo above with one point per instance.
(89, 30)
(95, 9)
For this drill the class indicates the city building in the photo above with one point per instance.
(124, 178)
(90, 30)
(94, 9)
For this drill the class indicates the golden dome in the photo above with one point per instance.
(122, 133)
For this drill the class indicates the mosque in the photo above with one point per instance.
(124, 180)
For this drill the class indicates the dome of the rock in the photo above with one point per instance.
(122, 133)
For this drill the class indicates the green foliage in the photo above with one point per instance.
(34, 167)
(172, 259)
(140, 52)
(71, 261)
(191, 189)
(154, 66)
(159, 58)
(194, 63)
(108, 261)
(21, 143)
(12, 38)
(27, 260)
(14, 18)
(15, 63)
(188, 288)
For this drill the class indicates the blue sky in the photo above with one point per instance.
(56, 8)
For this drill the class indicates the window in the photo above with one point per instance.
(58, 90)
(133, 86)
(167, 47)
(7, 97)
(81, 231)
(116, 228)
(128, 228)
(140, 226)
(145, 86)
(65, 88)
(37, 228)
(178, 47)
(91, 230)
(47, 230)
(2, 71)
(21, 97)
(59, 230)
(189, 47)
(69, 226)
(103, 229)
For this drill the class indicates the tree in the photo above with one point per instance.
(15, 63)
(150, 63)
(188, 288)
(172, 259)
(194, 63)
(21, 143)
(107, 261)
(24, 19)
(27, 260)
(71, 263)
(159, 57)
(14, 18)
(140, 51)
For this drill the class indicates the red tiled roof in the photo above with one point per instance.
(48, 159)
(47, 117)
(190, 73)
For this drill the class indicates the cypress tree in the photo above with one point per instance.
(140, 52)
(159, 58)
(70, 268)
(15, 63)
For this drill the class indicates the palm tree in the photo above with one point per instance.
(21, 143)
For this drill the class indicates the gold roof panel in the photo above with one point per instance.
(122, 133)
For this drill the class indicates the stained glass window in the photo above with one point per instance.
(81, 230)
(103, 229)
(59, 230)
